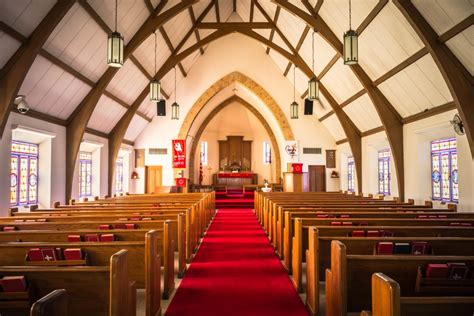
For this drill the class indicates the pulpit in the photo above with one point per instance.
(295, 182)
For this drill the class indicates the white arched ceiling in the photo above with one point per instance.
(78, 41)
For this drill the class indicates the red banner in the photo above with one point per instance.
(179, 153)
(180, 182)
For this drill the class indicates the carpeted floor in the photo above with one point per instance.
(236, 272)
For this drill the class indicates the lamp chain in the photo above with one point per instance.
(155, 53)
(175, 84)
(313, 51)
(294, 83)
(116, 10)
(350, 13)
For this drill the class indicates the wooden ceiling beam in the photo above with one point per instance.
(391, 119)
(95, 16)
(170, 47)
(77, 122)
(218, 14)
(298, 47)
(146, 74)
(219, 25)
(326, 116)
(458, 79)
(430, 112)
(267, 17)
(12, 32)
(149, 6)
(455, 30)
(252, 10)
(372, 15)
(196, 32)
(17, 67)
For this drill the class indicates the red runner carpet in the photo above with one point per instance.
(236, 272)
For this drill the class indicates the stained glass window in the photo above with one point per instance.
(350, 174)
(85, 174)
(119, 175)
(203, 154)
(384, 172)
(267, 153)
(444, 170)
(23, 174)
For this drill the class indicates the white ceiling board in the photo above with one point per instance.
(341, 82)
(323, 52)
(321, 107)
(199, 7)
(177, 27)
(148, 107)
(128, 83)
(264, 32)
(417, 88)
(79, 42)
(363, 113)
(9, 46)
(226, 8)
(137, 125)
(258, 16)
(170, 4)
(145, 53)
(336, 14)
(24, 15)
(51, 90)
(280, 61)
(291, 26)
(443, 15)
(243, 9)
(189, 61)
(334, 127)
(106, 114)
(386, 42)
(279, 41)
(269, 7)
(211, 15)
(131, 15)
(299, 4)
(462, 46)
(203, 33)
(190, 42)
(301, 80)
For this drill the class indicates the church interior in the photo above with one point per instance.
(236, 157)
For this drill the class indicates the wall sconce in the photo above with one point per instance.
(135, 175)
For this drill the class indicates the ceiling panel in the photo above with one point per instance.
(9, 46)
(177, 27)
(321, 107)
(135, 128)
(386, 42)
(264, 32)
(280, 61)
(106, 114)
(243, 10)
(443, 15)
(190, 42)
(341, 82)
(211, 15)
(323, 52)
(291, 26)
(334, 127)
(189, 61)
(131, 15)
(462, 46)
(51, 90)
(170, 4)
(363, 113)
(80, 42)
(199, 7)
(145, 53)
(148, 107)
(269, 7)
(225, 10)
(24, 15)
(167, 83)
(417, 88)
(128, 83)
(336, 14)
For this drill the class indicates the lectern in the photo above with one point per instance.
(295, 182)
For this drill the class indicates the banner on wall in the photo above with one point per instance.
(179, 153)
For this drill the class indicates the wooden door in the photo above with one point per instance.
(317, 178)
(154, 179)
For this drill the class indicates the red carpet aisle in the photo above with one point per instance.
(236, 272)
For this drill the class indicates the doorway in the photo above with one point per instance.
(317, 178)
(153, 179)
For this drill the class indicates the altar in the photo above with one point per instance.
(234, 179)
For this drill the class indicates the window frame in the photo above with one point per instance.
(85, 158)
(439, 148)
(119, 174)
(30, 152)
(350, 174)
(267, 152)
(203, 153)
(384, 179)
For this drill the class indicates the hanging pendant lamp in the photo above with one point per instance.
(155, 84)
(294, 105)
(175, 105)
(351, 54)
(115, 46)
(313, 83)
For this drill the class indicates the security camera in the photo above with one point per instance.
(21, 104)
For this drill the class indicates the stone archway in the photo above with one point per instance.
(249, 84)
(255, 112)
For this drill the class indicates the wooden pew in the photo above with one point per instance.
(351, 275)
(52, 304)
(387, 301)
(318, 255)
(92, 291)
(99, 253)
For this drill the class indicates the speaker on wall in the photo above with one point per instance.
(308, 107)
(161, 108)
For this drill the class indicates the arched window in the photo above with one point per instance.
(119, 175)
(85, 174)
(384, 172)
(23, 174)
(350, 174)
(444, 170)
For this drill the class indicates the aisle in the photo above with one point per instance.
(236, 272)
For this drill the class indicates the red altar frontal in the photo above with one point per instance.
(235, 178)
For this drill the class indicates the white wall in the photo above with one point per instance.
(417, 138)
(57, 161)
(256, 64)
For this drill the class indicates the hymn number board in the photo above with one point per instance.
(330, 158)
